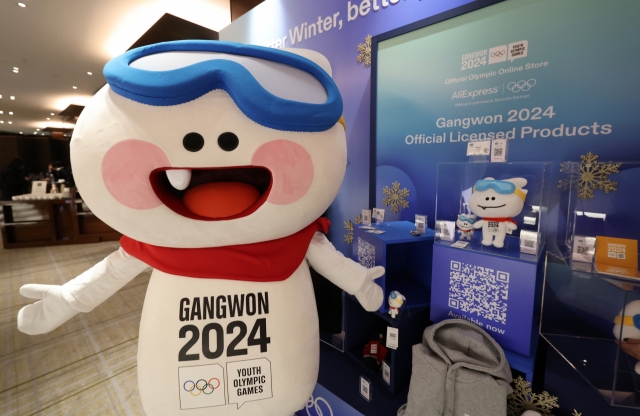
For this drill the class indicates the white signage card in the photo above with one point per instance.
(366, 216)
(528, 242)
(378, 215)
(421, 223)
(386, 373)
(392, 337)
(460, 244)
(446, 230)
(39, 187)
(584, 248)
(499, 148)
(479, 148)
(365, 388)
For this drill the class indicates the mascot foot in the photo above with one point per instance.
(498, 244)
(487, 242)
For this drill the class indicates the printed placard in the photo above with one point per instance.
(201, 386)
(421, 223)
(460, 244)
(619, 252)
(446, 230)
(528, 242)
(584, 248)
(499, 148)
(249, 380)
(39, 187)
(479, 148)
(386, 373)
(365, 388)
(366, 216)
(378, 215)
(392, 337)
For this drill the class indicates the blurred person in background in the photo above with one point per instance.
(13, 181)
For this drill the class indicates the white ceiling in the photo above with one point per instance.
(54, 43)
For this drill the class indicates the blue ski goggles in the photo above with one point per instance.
(274, 88)
(501, 187)
(467, 219)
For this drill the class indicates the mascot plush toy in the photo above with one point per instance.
(496, 202)
(465, 226)
(214, 160)
(628, 326)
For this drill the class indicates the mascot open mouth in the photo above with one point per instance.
(211, 194)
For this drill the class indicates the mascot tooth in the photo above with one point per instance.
(496, 202)
(215, 161)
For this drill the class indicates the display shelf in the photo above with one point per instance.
(579, 313)
(361, 325)
(406, 259)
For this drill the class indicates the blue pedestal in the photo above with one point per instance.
(406, 259)
(496, 293)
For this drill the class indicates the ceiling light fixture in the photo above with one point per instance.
(35, 132)
(15, 71)
(75, 88)
(89, 73)
(48, 118)
(10, 122)
(1, 122)
(10, 113)
(12, 98)
(52, 114)
(22, 5)
(1, 112)
(21, 133)
(37, 129)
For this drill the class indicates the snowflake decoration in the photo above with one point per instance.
(523, 399)
(364, 49)
(591, 175)
(348, 237)
(576, 413)
(395, 197)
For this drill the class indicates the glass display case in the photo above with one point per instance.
(494, 208)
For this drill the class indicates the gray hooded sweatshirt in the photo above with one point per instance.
(458, 370)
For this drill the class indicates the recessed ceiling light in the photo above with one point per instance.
(10, 113)
(21, 133)
(12, 98)
(75, 88)
(10, 122)
(89, 73)
(22, 5)
(43, 134)
(52, 114)
(35, 132)
(48, 118)
(37, 129)
(1, 122)
(1, 112)
(15, 71)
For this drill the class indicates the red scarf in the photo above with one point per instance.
(501, 219)
(268, 261)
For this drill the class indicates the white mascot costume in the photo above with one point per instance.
(497, 202)
(215, 160)
(627, 325)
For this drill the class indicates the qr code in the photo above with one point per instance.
(497, 151)
(366, 254)
(479, 290)
(583, 249)
(445, 230)
(529, 243)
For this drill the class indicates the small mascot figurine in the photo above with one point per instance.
(496, 202)
(465, 225)
(396, 300)
(215, 161)
(628, 326)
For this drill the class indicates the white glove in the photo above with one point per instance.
(370, 294)
(82, 294)
(46, 314)
(345, 273)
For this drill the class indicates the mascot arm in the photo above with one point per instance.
(58, 304)
(478, 224)
(346, 273)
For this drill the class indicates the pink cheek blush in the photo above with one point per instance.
(126, 168)
(291, 167)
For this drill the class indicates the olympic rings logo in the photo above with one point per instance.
(521, 85)
(205, 387)
(498, 54)
(314, 404)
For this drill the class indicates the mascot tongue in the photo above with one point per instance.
(220, 199)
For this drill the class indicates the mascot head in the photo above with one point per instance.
(205, 143)
(628, 326)
(493, 198)
(465, 221)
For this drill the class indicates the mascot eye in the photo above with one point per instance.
(486, 199)
(228, 141)
(193, 142)
(493, 198)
